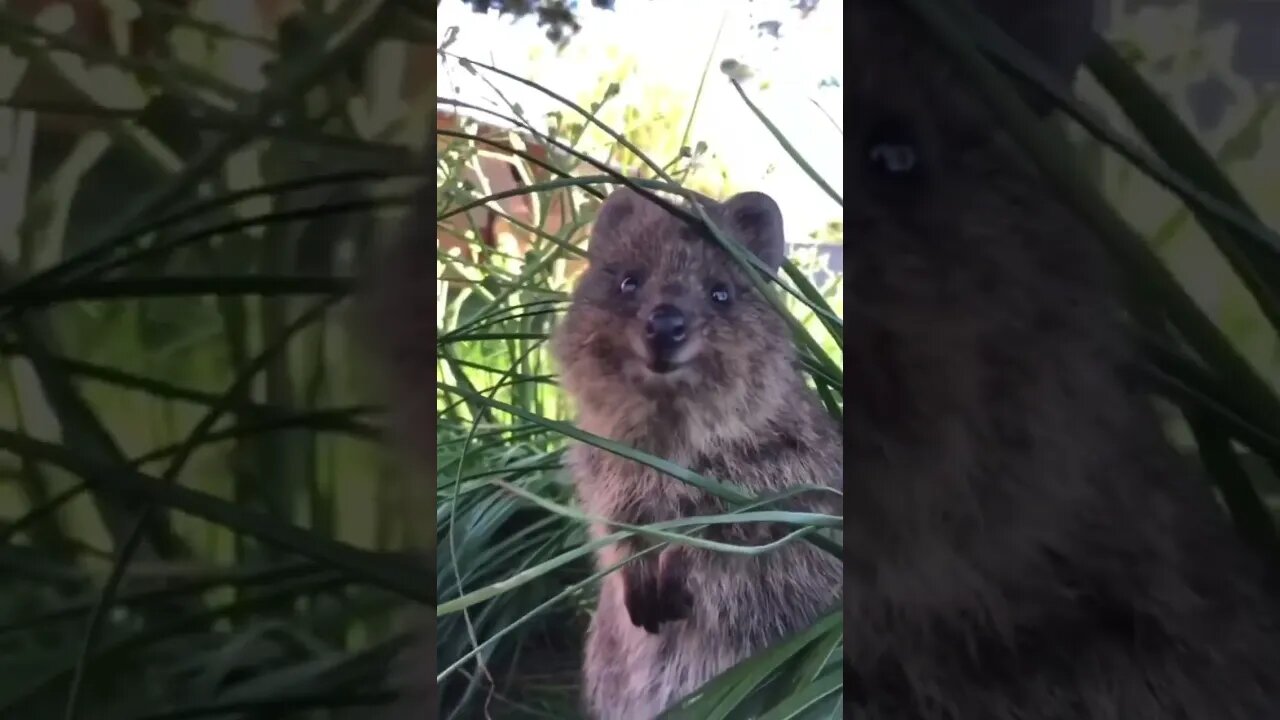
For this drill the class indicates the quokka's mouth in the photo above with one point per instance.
(661, 361)
(661, 369)
(664, 362)
(662, 366)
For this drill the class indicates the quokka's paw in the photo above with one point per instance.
(655, 591)
(640, 594)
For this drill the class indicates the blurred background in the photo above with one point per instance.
(198, 514)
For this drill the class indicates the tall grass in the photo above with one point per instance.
(514, 568)
(515, 582)
(1191, 361)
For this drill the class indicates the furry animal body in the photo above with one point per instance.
(668, 348)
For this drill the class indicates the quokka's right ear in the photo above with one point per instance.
(621, 206)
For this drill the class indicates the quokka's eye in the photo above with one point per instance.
(892, 151)
(720, 294)
(629, 284)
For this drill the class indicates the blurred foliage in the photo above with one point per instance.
(560, 17)
(557, 16)
(195, 511)
(1190, 66)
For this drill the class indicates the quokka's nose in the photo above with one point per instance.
(666, 326)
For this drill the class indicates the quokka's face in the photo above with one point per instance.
(662, 310)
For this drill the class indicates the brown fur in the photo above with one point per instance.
(738, 411)
(1021, 541)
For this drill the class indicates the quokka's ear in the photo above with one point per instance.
(756, 221)
(1059, 32)
(619, 209)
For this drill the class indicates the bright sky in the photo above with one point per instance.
(670, 41)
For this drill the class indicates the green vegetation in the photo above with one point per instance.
(195, 510)
(500, 413)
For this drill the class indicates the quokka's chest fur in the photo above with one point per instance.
(618, 490)
(803, 453)
(673, 618)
